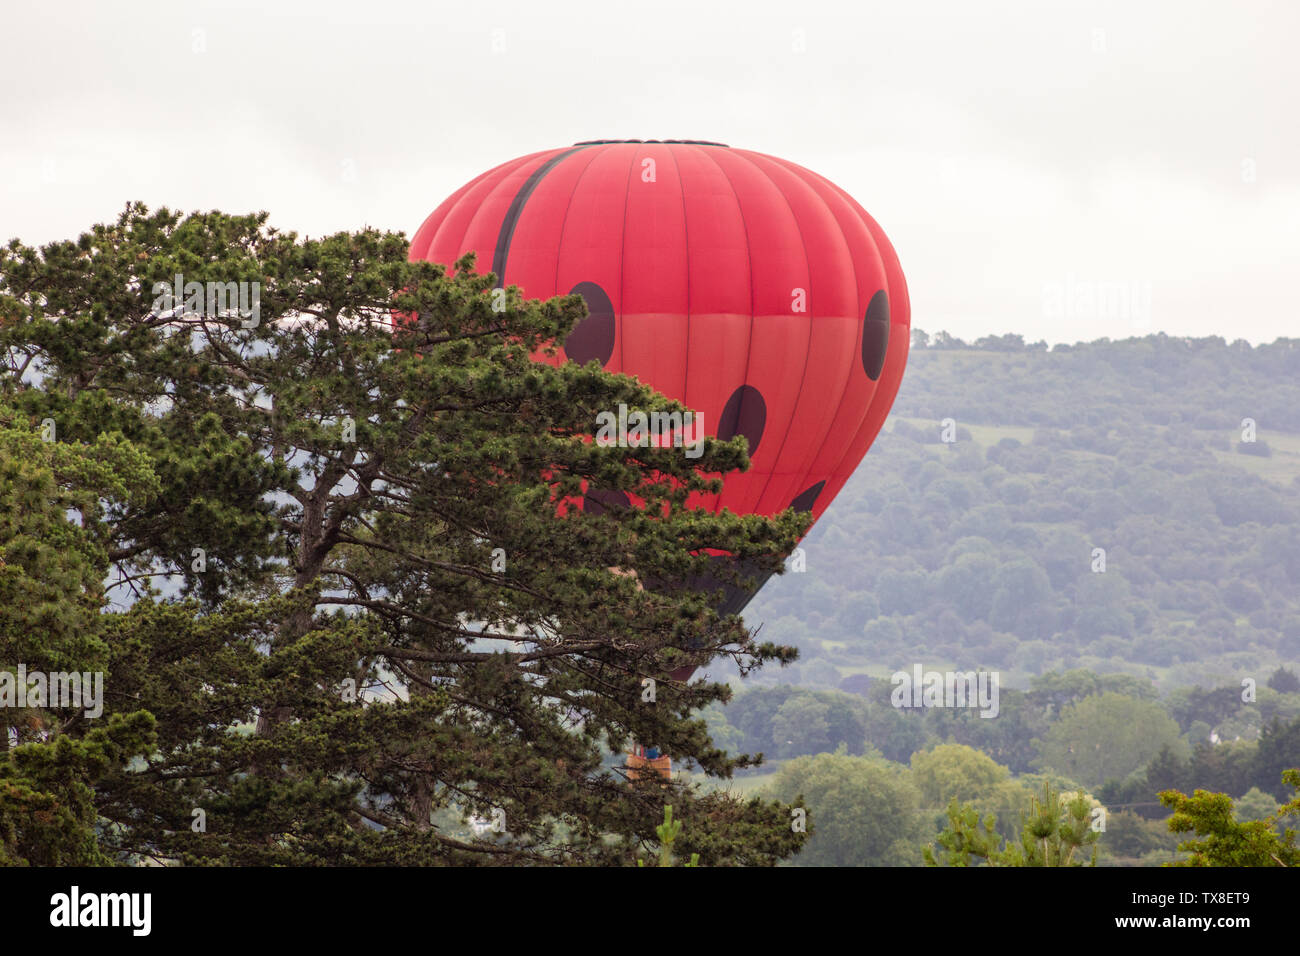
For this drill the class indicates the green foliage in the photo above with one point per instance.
(803, 719)
(1107, 736)
(789, 722)
(862, 811)
(1131, 836)
(345, 660)
(48, 815)
(1278, 746)
(1255, 804)
(967, 840)
(1284, 681)
(1235, 767)
(955, 772)
(668, 831)
(56, 500)
(1227, 841)
(1054, 832)
(980, 553)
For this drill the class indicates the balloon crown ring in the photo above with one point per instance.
(690, 142)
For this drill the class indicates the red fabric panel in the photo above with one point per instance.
(779, 336)
(833, 328)
(891, 376)
(700, 262)
(653, 320)
(591, 240)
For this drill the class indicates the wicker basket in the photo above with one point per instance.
(639, 766)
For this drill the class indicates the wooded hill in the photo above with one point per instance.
(981, 551)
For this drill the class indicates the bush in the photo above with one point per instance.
(1259, 448)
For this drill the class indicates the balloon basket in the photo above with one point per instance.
(639, 766)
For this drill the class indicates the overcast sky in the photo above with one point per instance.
(1014, 152)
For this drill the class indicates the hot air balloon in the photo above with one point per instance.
(746, 287)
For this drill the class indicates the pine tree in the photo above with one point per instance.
(668, 832)
(1053, 832)
(390, 605)
(53, 496)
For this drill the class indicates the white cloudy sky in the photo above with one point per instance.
(1009, 149)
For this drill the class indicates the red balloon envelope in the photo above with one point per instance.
(750, 289)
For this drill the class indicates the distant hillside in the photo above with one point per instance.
(981, 552)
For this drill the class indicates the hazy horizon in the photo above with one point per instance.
(1016, 156)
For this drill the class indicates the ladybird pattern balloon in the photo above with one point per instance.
(748, 288)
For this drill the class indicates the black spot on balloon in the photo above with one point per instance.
(599, 501)
(808, 497)
(875, 335)
(593, 338)
(744, 414)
